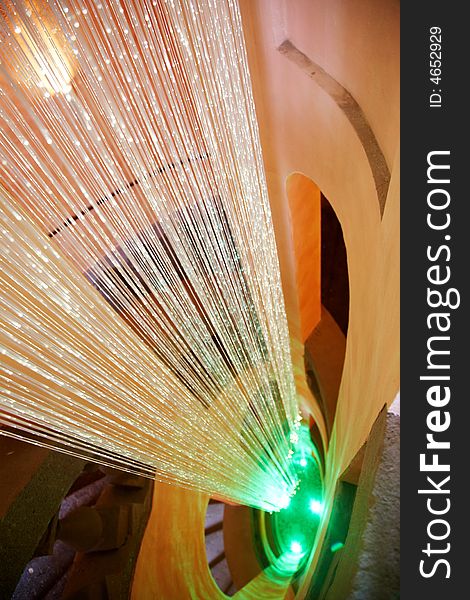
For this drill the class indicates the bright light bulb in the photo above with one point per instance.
(316, 507)
(296, 548)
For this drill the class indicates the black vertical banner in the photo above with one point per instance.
(435, 267)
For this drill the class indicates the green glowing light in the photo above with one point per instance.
(296, 548)
(336, 546)
(292, 529)
(316, 507)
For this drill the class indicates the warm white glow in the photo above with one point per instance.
(36, 53)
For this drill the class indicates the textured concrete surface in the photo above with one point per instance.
(44, 477)
(43, 572)
(378, 575)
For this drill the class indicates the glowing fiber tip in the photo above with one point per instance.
(284, 501)
(316, 507)
(296, 548)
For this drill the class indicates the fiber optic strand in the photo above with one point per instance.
(155, 334)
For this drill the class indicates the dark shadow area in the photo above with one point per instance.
(334, 267)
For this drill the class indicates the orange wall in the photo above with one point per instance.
(304, 130)
(305, 209)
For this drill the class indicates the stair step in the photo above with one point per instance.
(214, 545)
(222, 575)
(231, 590)
(215, 561)
(214, 518)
